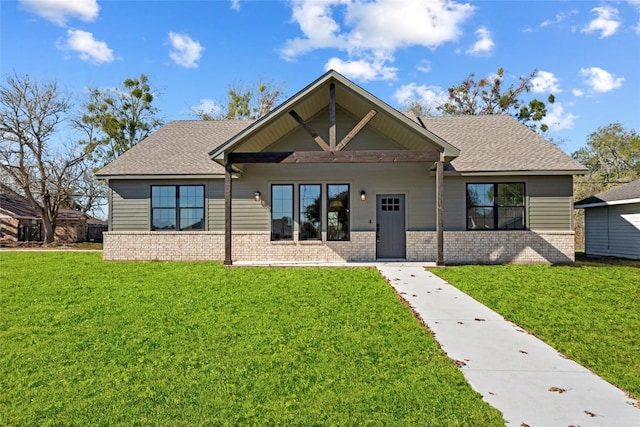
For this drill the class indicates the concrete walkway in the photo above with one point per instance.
(529, 381)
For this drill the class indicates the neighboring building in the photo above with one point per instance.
(335, 174)
(19, 222)
(612, 222)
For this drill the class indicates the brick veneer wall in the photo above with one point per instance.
(460, 247)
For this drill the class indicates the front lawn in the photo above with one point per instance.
(84, 342)
(590, 312)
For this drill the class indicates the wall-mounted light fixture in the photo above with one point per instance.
(363, 196)
(257, 196)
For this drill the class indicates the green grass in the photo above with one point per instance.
(84, 342)
(590, 312)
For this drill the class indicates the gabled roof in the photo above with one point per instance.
(16, 207)
(314, 99)
(473, 144)
(498, 143)
(178, 148)
(620, 195)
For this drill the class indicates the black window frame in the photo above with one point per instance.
(496, 206)
(278, 237)
(301, 222)
(177, 209)
(346, 234)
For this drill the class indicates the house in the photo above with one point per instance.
(19, 222)
(335, 174)
(612, 222)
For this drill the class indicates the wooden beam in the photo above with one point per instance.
(371, 156)
(440, 212)
(309, 130)
(332, 117)
(356, 129)
(228, 170)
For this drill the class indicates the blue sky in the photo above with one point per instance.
(587, 53)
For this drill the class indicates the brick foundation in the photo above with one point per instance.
(460, 247)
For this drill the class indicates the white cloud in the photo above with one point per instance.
(429, 96)
(374, 29)
(545, 81)
(600, 80)
(424, 66)
(560, 17)
(558, 119)
(208, 107)
(59, 11)
(235, 4)
(577, 93)
(87, 48)
(607, 21)
(484, 45)
(362, 69)
(185, 51)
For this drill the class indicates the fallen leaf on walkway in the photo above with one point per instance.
(524, 425)
(460, 323)
(591, 414)
(557, 389)
(403, 293)
(459, 363)
(523, 352)
(477, 319)
(438, 289)
(413, 275)
(492, 393)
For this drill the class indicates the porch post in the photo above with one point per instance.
(227, 214)
(440, 211)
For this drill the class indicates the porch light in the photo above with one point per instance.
(257, 196)
(363, 196)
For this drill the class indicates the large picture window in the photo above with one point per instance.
(338, 211)
(282, 212)
(177, 207)
(310, 211)
(496, 206)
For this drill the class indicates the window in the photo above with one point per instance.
(495, 206)
(338, 212)
(282, 212)
(177, 207)
(310, 211)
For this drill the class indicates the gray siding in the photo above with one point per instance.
(548, 200)
(550, 203)
(413, 180)
(129, 206)
(613, 231)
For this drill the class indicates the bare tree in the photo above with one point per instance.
(30, 114)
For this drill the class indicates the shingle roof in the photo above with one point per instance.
(490, 143)
(626, 192)
(177, 148)
(16, 207)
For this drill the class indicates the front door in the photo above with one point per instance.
(390, 230)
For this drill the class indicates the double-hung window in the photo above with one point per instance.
(177, 207)
(310, 211)
(496, 206)
(282, 212)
